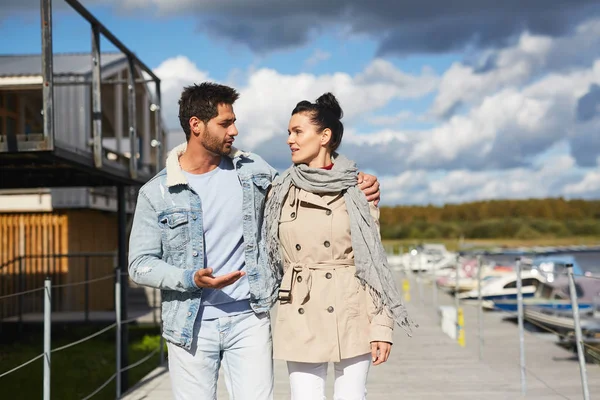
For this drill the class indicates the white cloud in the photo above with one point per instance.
(509, 113)
(268, 97)
(590, 184)
(316, 57)
(516, 65)
(510, 124)
(267, 100)
(420, 186)
(397, 119)
(485, 153)
(380, 138)
(513, 114)
(175, 73)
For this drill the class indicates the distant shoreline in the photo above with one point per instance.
(455, 244)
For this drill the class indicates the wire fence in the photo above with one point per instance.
(118, 325)
(570, 337)
(25, 274)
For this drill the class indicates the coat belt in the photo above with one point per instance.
(299, 275)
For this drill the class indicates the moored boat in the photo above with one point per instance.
(555, 295)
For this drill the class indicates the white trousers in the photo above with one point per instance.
(307, 380)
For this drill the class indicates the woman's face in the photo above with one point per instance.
(305, 142)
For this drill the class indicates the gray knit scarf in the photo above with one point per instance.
(369, 255)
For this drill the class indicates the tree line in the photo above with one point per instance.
(522, 219)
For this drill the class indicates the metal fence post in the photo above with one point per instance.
(131, 117)
(161, 145)
(435, 288)
(124, 281)
(47, 335)
(480, 306)
(419, 278)
(162, 349)
(456, 302)
(47, 73)
(118, 338)
(578, 337)
(96, 97)
(521, 328)
(87, 289)
(154, 306)
(460, 333)
(21, 289)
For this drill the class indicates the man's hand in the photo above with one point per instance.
(380, 351)
(204, 279)
(370, 187)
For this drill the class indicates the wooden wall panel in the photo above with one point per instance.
(39, 238)
(34, 237)
(93, 231)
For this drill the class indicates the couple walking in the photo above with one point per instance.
(225, 237)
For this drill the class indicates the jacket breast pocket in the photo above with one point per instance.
(261, 184)
(175, 228)
(261, 181)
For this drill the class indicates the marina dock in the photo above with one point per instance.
(431, 365)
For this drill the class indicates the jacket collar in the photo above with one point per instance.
(175, 174)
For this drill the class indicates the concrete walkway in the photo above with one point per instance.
(430, 365)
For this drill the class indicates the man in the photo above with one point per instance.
(196, 235)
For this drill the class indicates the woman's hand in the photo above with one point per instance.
(380, 351)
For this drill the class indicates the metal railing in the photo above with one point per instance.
(97, 30)
(26, 274)
(119, 325)
(575, 336)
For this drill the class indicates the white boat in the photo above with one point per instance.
(395, 261)
(504, 287)
(428, 257)
(469, 282)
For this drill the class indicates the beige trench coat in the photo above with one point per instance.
(324, 314)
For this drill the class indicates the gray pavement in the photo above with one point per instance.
(431, 365)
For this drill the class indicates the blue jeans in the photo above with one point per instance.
(243, 342)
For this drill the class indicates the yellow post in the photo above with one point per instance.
(460, 320)
(406, 289)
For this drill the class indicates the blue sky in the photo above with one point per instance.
(420, 112)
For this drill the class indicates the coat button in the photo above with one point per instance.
(293, 215)
(298, 247)
(301, 311)
(195, 253)
(194, 217)
(328, 275)
(330, 309)
(328, 212)
(299, 279)
(326, 244)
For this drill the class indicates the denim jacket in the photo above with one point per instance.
(166, 243)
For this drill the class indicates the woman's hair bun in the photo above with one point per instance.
(328, 102)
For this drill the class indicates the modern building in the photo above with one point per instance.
(58, 183)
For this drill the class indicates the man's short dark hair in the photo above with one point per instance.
(201, 101)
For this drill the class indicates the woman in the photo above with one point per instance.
(337, 301)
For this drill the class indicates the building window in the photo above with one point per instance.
(9, 113)
(11, 126)
(11, 102)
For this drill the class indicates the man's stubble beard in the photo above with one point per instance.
(213, 144)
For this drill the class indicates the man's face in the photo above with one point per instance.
(218, 135)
